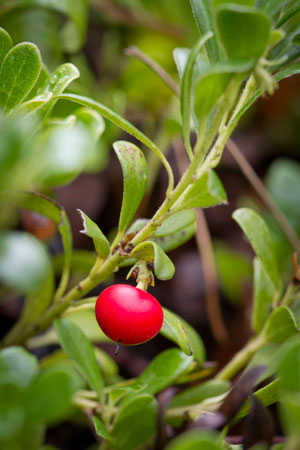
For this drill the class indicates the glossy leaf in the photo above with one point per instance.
(236, 24)
(163, 370)
(205, 20)
(101, 429)
(183, 334)
(173, 330)
(207, 191)
(181, 56)
(213, 83)
(196, 440)
(49, 399)
(92, 230)
(175, 223)
(280, 325)
(150, 251)
(49, 208)
(200, 392)
(121, 123)
(135, 174)
(18, 367)
(19, 72)
(290, 70)
(6, 44)
(34, 104)
(264, 291)
(80, 350)
(24, 262)
(136, 422)
(259, 237)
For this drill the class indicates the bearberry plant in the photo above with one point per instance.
(244, 49)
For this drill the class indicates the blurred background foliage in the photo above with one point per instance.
(93, 34)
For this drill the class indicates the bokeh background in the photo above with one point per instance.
(94, 36)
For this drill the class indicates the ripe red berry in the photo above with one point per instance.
(128, 314)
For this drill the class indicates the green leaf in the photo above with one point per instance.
(288, 13)
(150, 251)
(290, 70)
(207, 191)
(17, 366)
(34, 104)
(183, 334)
(236, 25)
(196, 440)
(175, 223)
(283, 184)
(264, 291)
(234, 270)
(49, 208)
(101, 430)
(268, 395)
(163, 370)
(80, 350)
(6, 44)
(177, 239)
(280, 325)
(49, 399)
(173, 330)
(19, 73)
(57, 82)
(92, 230)
(135, 174)
(200, 392)
(186, 88)
(205, 20)
(12, 414)
(272, 7)
(24, 262)
(213, 83)
(136, 422)
(181, 56)
(259, 237)
(289, 387)
(123, 124)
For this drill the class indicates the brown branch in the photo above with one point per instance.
(205, 249)
(261, 190)
(137, 53)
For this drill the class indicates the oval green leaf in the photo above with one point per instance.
(236, 25)
(173, 330)
(175, 223)
(280, 325)
(135, 174)
(260, 239)
(136, 422)
(163, 370)
(150, 251)
(80, 350)
(264, 291)
(196, 440)
(200, 392)
(19, 73)
(17, 366)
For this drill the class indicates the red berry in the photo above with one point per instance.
(128, 314)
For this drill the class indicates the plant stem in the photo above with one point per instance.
(241, 358)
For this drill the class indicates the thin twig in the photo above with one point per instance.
(206, 253)
(259, 187)
(137, 53)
